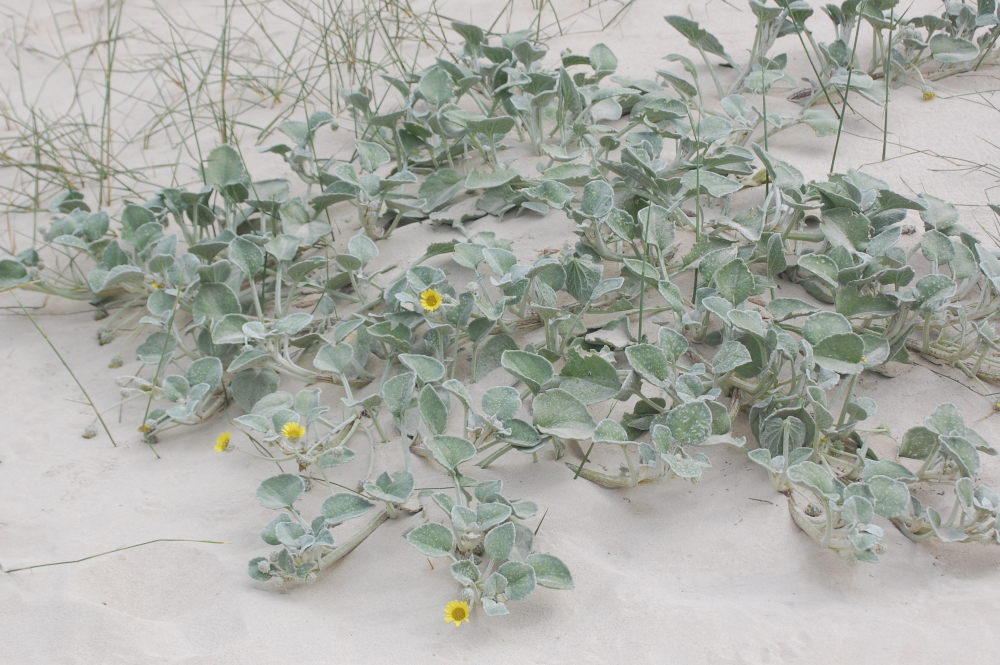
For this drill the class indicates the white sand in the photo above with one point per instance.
(671, 573)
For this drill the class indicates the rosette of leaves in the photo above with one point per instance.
(196, 395)
(307, 547)
(822, 507)
(491, 550)
(300, 154)
(948, 448)
(372, 194)
(326, 447)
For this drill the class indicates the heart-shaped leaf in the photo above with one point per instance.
(550, 572)
(560, 414)
(281, 491)
(499, 541)
(450, 451)
(531, 368)
(432, 539)
(344, 506)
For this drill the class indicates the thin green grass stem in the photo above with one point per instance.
(847, 92)
(888, 83)
(62, 360)
(117, 549)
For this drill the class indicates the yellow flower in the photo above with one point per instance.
(929, 96)
(456, 612)
(430, 300)
(222, 442)
(293, 430)
(864, 359)
(156, 285)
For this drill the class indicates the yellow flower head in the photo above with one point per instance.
(929, 96)
(456, 612)
(156, 285)
(430, 300)
(864, 359)
(222, 442)
(293, 430)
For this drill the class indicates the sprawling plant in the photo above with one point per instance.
(662, 318)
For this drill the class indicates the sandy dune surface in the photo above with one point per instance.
(713, 572)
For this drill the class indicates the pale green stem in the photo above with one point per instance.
(351, 543)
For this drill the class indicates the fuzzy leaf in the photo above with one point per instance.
(499, 541)
(394, 489)
(816, 477)
(696, 36)
(560, 414)
(371, 155)
(489, 179)
(520, 579)
(598, 198)
(550, 572)
(735, 282)
(465, 572)
(582, 277)
(590, 377)
(344, 506)
(213, 301)
(427, 369)
(689, 423)
(531, 368)
(732, 355)
(250, 385)
(205, 370)
(435, 86)
(710, 183)
(489, 354)
(501, 402)
(650, 362)
(952, 50)
(821, 325)
(450, 451)
(432, 539)
(224, 168)
(840, 353)
(397, 392)
(281, 491)
(918, 443)
(891, 496)
(611, 432)
(433, 409)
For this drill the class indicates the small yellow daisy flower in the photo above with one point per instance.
(456, 612)
(156, 285)
(222, 442)
(430, 300)
(929, 96)
(864, 359)
(293, 430)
